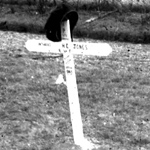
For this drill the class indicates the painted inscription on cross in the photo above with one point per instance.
(68, 49)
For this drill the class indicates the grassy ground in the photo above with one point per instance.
(119, 26)
(113, 91)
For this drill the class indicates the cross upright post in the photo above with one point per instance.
(74, 104)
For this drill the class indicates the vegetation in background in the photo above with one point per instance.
(128, 22)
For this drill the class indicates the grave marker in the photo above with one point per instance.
(69, 48)
(78, 48)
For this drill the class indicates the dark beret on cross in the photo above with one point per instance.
(60, 13)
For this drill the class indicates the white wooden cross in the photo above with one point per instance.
(69, 48)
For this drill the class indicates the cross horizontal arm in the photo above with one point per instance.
(80, 48)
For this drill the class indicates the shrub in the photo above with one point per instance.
(41, 6)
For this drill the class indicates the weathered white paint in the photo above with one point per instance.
(45, 46)
(69, 48)
(72, 86)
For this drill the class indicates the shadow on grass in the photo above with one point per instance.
(122, 36)
(124, 27)
(112, 36)
(22, 27)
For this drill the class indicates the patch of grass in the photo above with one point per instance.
(114, 98)
(26, 107)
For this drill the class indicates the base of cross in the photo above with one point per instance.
(86, 145)
(66, 146)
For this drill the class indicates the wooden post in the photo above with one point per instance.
(72, 85)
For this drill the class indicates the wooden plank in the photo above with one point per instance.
(78, 48)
